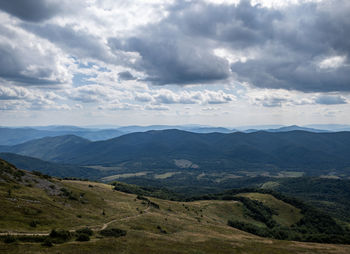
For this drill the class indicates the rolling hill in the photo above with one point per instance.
(34, 204)
(50, 168)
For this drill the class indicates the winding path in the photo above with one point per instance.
(104, 226)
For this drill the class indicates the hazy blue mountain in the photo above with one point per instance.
(209, 130)
(13, 136)
(98, 134)
(258, 127)
(50, 168)
(216, 151)
(192, 128)
(48, 148)
(295, 128)
(68, 128)
(287, 128)
(330, 127)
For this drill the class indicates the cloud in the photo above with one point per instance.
(96, 94)
(332, 62)
(126, 75)
(279, 98)
(165, 55)
(330, 99)
(171, 60)
(303, 47)
(32, 10)
(20, 98)
(271, 101)
(143, 97)
(166, 96)
(308, 51)
(77, 42)
(13, 105)
(156, 107)
(34, 63)
(13, 93)
(117, 105)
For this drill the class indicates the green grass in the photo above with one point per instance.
(287, 214)
(176, 227)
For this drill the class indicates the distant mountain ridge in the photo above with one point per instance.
(14, 136)
(159, 149)
(296, 128)
(18, 135)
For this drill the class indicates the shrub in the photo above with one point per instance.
(47, 243)
(142, 198)
(82, 237)
(33, 223)
(155, 205)
(59, 236)
(67, 193)
(10, 239)
(86, 231)
(113, 232)
(31, 238)
(41, 175)
(161, 230)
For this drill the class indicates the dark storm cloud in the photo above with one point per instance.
(283, 68)
(307, 36)
(170, 60)
(25, 63)
(13, 67)
(179, 49)
(239, 26)
(288, 45)
(303, 47)
(78, 43)
(31, 10)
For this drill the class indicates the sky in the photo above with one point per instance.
(211, 62)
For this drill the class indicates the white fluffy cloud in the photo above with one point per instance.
(166, 96)
(148, 58)
(21, 98)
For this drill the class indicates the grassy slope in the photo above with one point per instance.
(192, 227)
(287, 214)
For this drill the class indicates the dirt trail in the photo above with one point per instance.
(24, 234)
(104, 226)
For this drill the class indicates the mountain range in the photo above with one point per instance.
(158, 149)
(18, 135)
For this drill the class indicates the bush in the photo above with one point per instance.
(250, 228)
(31, 238)
(10, 239)
(142, 198)
(67, 193)
(113, 232)
(86, 231)
(47, 243)
(155, 205)
(41, 175)
(33, 223)
(161, 230)
(82, 237)
(59, 236)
